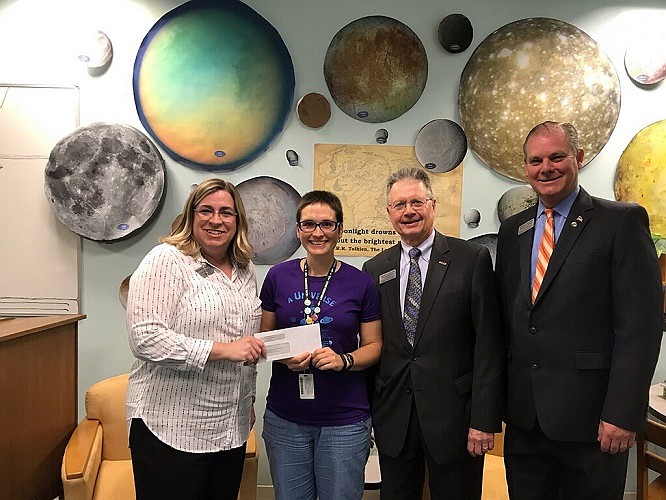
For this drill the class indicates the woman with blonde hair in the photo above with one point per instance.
(192, 310)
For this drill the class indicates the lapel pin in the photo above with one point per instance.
(442, 262)
(579, 218)
(574, 224)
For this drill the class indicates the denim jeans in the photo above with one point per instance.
(311, 461)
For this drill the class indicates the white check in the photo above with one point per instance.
(289, 342)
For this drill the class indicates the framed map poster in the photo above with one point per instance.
(357, 174)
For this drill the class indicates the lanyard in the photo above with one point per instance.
(312, 315)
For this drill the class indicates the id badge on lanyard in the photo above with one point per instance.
(306, 385)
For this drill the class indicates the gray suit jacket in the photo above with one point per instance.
(586, 350)
(454, 372)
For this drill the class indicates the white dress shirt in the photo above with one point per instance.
(176, 307)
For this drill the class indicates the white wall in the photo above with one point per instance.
(37, 40)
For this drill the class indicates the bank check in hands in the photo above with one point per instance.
(298, 363)
(247, 350)
(323, 358)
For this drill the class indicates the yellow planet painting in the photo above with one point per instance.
(641, 174)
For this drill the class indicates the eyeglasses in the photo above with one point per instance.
(327, 226)
(416, 204)
(208, 213)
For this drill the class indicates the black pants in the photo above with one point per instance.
(539, 468)
(163, 473)
(402, 476)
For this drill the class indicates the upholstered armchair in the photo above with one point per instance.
(97, 463)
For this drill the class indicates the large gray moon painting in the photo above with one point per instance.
(376, 69)
(530, 71)
(270, 205)
(104, 181)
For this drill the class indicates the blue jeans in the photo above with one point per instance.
(311, 461)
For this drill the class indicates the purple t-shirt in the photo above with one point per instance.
(351, 298)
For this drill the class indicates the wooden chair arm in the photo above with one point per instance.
(251, 446)
(78, 453)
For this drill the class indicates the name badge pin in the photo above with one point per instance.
(387, 276)
(525, 226)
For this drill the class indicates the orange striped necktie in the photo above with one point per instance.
(546, 247)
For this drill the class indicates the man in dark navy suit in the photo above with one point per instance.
(438, 392)
(583, 323)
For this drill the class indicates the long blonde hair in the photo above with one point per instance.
(182, 236)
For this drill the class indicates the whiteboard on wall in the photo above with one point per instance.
(39, 256)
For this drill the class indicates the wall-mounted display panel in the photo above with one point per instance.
(39, 255)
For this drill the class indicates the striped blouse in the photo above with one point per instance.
(176, 307)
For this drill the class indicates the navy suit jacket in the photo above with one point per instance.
(587, 349)
(454, 371)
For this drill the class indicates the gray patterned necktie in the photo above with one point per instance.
(412, 295)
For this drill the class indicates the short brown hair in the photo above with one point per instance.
(566, 127)
(323, 197)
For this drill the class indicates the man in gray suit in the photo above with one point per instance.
(438, 389)
(582, 313)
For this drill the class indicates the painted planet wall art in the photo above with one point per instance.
(123, 291)
(641, 174)
(440, 145)
(376, 69)
(95, 49)
(490, 242)
(514, 201)
(645, 59)
(270, 206)
(104, 181)
(213, 84)
(313, 110)
(530, 71)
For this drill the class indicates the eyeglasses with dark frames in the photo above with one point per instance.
(327, 226)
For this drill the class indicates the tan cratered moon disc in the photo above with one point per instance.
(530, 71)
(641, 174)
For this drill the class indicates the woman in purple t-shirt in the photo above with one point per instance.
(317, 422)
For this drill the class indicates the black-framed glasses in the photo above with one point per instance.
(327, 226)
(208, 213)
(416, 204)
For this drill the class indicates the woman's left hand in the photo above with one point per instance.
(326, 358)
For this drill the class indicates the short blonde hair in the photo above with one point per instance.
(182, 236)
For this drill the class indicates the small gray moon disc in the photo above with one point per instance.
(440, 145)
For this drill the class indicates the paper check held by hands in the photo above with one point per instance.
(289, 342)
